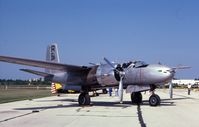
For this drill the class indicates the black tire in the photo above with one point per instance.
(158, 98)
(154, 100)
(104, 91)
(136, 98)
(84, 99)
(97, 94)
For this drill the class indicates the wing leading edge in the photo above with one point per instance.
(44, 64)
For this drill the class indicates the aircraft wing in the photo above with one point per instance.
(44, 64)
(37, 72)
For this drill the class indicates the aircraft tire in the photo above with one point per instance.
(97, 94)
(84, 99)
(154, 100)
(136, 98)
(104, 91)
(159, 100)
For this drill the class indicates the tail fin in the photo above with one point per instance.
(52, 55)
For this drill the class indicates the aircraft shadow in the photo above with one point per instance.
(96, 104)
(111, 104)
(182, 98)
(126, 104)
(69, 100)
(47, 107)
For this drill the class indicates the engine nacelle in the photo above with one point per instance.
(61, 77)
(106, 75)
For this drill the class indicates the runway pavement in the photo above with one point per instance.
(105, 111)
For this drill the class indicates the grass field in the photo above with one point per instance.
(10, 95)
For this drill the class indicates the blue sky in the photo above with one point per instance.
(88, 30)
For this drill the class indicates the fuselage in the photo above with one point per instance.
(151, 74)
(104, 76)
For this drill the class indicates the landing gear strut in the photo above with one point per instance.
(154, 99)
(84, 99)
(136, 98)
(95, 94)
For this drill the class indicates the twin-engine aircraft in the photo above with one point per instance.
(134, 76)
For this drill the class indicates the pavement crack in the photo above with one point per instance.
(140, 117)
(87, 115)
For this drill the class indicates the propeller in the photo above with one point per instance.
(121, 73)
(121, 87)
(92, 64)
(109, 63)
(173, 70)
(170, 89)
(181, 67)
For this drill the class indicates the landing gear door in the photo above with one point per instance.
(137, 88)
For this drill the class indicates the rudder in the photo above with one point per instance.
(52, 55)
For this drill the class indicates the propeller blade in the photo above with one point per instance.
(92, 64)
(122, 75)
(121, 90)
(170, 90)
(181, 67)
(129, 67)
(109, 63)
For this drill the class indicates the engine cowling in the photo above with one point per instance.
(106, 75)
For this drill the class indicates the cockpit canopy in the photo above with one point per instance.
(135, 64)
(139, 64)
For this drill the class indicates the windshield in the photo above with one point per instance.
(135, 64)
(138, 64)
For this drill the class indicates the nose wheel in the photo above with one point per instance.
(154, 100)
(84, 99)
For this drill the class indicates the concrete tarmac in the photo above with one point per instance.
(105, 111)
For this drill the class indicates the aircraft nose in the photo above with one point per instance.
(172, 71)
(165, 73)
(169, 73)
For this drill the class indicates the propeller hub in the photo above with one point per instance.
(122, 74)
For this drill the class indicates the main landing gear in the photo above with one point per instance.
(136, 98)
(84, 99)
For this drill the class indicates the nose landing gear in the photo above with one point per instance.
(154, 100)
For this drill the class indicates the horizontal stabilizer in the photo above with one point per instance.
(37, 72)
